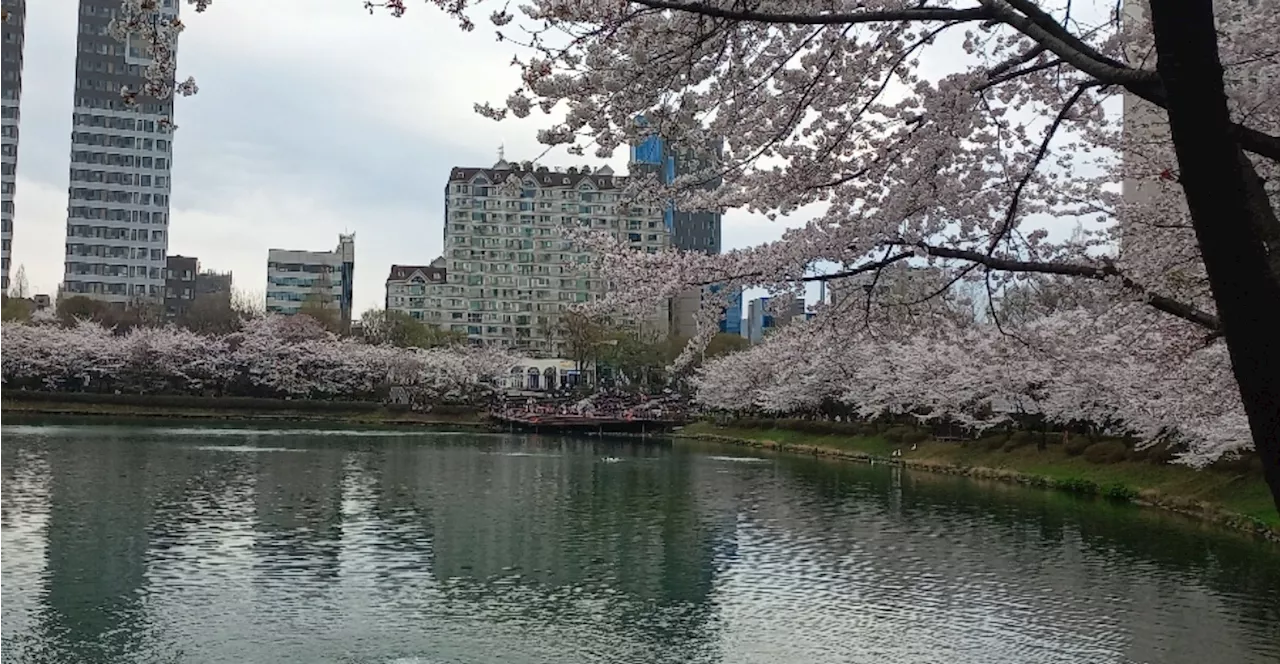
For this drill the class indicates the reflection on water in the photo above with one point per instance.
(192, 545)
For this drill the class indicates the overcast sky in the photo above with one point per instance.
(309, 123)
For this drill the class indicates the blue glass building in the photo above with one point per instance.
(690, 231)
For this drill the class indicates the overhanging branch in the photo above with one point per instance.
(1022, 15)
(833, 18)
(868, 267)
(1012, 212)
(1252, 140)
(1098, 272)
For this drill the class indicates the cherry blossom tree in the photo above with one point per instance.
(959, 163)
(956, 134)
(1067, 367)
(272, 356)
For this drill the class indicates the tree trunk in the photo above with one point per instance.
(1213, 180)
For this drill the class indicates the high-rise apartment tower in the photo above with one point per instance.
(13, 29)
(121, 155)
(507, 251)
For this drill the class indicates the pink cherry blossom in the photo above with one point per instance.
(273, 356)
(961, 140)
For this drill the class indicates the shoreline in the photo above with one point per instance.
(380, 417)
(1055, 473)
(1192, 493)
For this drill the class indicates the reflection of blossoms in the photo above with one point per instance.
(275, 356)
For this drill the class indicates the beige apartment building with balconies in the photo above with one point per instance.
(506, 249)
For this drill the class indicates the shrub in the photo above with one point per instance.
(1111, 451)
(813, 427)
(849, 428)
(453, 409)
(1077, 486)
(1076, 445)
(1120, 493)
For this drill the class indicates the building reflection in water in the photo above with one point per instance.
(146, 545)
(24, 517)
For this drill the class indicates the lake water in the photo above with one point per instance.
(232, 546)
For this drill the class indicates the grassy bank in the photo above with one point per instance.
(1235, 497)
(235, 409)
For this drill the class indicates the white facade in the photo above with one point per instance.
(420, 290)
(295, 276)
(14, 28)
(121, 158)
(505, 248)
(533, 374)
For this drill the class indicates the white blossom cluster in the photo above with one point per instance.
(273, 356)
(1073, 366)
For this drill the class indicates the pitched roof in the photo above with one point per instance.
(544, 177)
(403, 272)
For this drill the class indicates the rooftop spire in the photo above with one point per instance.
(502, 159)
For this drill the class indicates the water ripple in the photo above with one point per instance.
(367, 547)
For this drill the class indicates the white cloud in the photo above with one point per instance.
(314, 118)
(39, 232)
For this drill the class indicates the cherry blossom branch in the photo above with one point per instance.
(960, 274)
(861, 269)
(1101, 273)
(1030, 22)
(867, 267)
(1012, 212)
(1024, 16)
(1017, 61)
(871, 289)
(833, 18)
(1006, 76)
(1029, 19)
